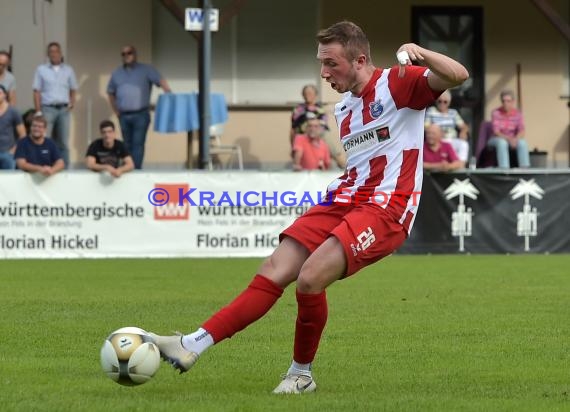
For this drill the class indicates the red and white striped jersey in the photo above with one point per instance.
(382, 132)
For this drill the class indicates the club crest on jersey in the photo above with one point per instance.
(376, 108)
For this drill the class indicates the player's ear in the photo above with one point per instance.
(361, 60)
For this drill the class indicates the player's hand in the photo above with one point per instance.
(406, 54)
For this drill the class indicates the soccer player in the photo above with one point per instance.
(381, 119)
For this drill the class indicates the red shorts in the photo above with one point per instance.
(366, 232)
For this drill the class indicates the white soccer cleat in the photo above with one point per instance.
(296, 384)
(172, 351)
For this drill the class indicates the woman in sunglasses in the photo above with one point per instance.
(455, 130)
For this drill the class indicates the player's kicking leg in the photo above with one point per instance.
(278, 271)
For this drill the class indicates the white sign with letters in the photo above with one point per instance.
(194, 19)
(84, 214)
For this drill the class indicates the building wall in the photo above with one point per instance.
(28, 27)
(95, 39)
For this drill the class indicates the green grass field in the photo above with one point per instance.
(431, 333)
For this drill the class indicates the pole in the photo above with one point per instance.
(204, 87)
(519, 86)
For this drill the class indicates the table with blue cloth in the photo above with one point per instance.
(178, 112)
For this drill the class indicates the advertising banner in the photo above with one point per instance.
(84, 214)
(205, 214)
(483, 212)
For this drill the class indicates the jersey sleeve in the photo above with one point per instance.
(412, 90)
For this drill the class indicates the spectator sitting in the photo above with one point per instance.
(7, 79)
(450, 122)
(108, 153)
(312, 108)
(508, 132)
(439, 155)
(309, 106)
(10, 122)
(36, 153)
(310, 152)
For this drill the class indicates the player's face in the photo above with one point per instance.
(336, 69)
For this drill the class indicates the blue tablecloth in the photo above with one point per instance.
(178, 112)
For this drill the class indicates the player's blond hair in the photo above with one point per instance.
(350, 36)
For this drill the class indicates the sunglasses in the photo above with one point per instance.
(127, 53)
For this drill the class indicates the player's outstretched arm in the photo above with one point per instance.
(445, 72)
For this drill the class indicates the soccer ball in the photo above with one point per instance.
(129, 356)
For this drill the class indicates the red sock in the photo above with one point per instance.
(311, 320)
(249, 306)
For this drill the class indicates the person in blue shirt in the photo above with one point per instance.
(55, 86)
(129, 91)
(36, 153)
